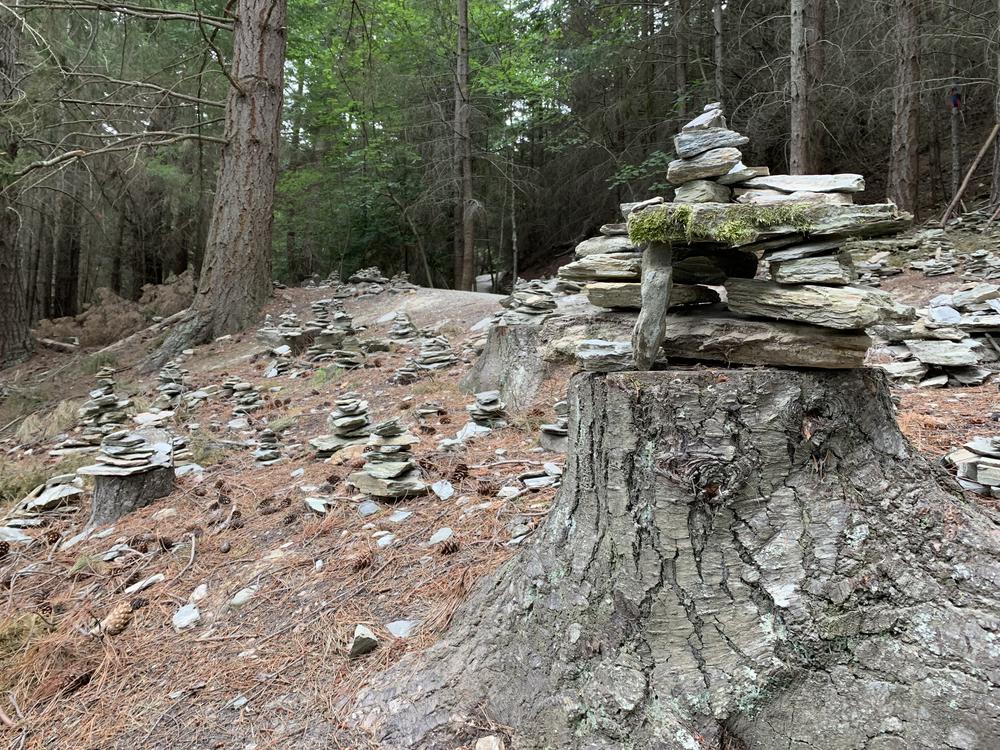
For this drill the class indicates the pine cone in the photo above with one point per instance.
(289, 519)
(4, 548)
(361, 562)
(445, 419)
(460, 472)
(426, 429)
(486, 488)
(450, 546)
(115, 621)
(52, 536)
(537, 412)
(224, 499)
(138, 603)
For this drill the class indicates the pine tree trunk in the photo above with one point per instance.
(750, 559)
(904, 153)
(718, 53)
(236, 274)
(680, 57)
(464, 144)
(995, 192)
(15, 317)
(798, 157)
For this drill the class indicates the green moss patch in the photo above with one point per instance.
(734, 224)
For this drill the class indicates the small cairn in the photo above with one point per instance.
(435, 354)
(531, 302)
(488, 410)
(402, 329)
(349, 424)
(268, 451)
(390, 470)
(288, 332)
(400, 282)
(332, 330)
(281, 364)
(370, 275)
(347, 360)
(555, 436)
(406, 374)
(103, 414)
(429, 409)
(248, 398)
(172, 379)
(977, 465)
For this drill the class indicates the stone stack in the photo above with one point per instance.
(402, 329)
(400, 282)
(173, 383)
(347, 359)
(555, 436)
(435, 354)
(124, 453)
(267, 451)
(331, 330)
(247, 397)
(287, 332)
(406, 374)
(349, 424)
(488, 410)
(104, 412)
(390, 470)
(530, 303)
(370, 275)
(802, 309)
(977, 465)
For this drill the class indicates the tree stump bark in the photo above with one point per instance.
(116, 496)
(651, 326)
(737, 559)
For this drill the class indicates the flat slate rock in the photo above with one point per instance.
(690, 143)
(942, 353)
(718, 336)
(775, 197)
(809, 183)
(741, 173)
(628, 295)
(702, 191)
(628, 208)
(710, 118)
(842, 307)
(604, 245)
(597, 355)
(604, 267)
(822, 269)
(804, 250)
(909, 371)
(714, 163)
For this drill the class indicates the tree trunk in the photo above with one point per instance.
(808, 21)
(15, 317)
(904, 153)
(995, 192)
(680, 57)
(744, 559)
(115, 497)
(463, 135)
(236, 274)
(718, 53)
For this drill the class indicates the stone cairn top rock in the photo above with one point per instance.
(390, 470)
(248, 398)
(488, 410)
(774, 242)
(349, 424)
(124, 453)
(531, 302)
(103, 413)
(555, 436)
(950, 344)
(977, 465)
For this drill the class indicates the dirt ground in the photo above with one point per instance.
(274, 671)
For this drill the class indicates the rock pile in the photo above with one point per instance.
(124, 453)
(389, 470)
(331, 331)
(173, 382)
(406, 374)
(103, 413)
(287, 332)
(488, 410)
(402, 328)
(531, 302)
(248, 398)
(977, 465)
(555, 436)
(666, 254)
(371, 275)
(951, 344)
(267, 451)
(435, 354)
(349, 424)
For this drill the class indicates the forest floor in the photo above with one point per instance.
(274, 671)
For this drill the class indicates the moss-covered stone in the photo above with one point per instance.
(737, 224)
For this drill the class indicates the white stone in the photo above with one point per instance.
(186, 617)
(810, 183)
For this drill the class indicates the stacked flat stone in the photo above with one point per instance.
(102, 414)
(406, 374)
(349, 424)
(124, 453)
(532, 302)
(400, 282)
(287, 332)
(435, 354)
(172, 384)
(247, 397)
(488, 410)
(370, 275)
(280, 365)
(402, 329)
(429, 409)
(389, 470)
(332, 330)
(977, 465)
(555, 436)
(346, 359)
(268, 451)
(950, 343)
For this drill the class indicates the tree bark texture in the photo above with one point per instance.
(115, 497)
(463, 145)
(680, 56)
(995, 192)
(236, 275)
(751, 559)
(718, 52)
(808, 20)
(904, 153)
(15, 317)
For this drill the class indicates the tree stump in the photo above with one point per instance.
(115, 496)
(737, 559)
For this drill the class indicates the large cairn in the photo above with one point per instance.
(390, 470)
(806, 313)
(531, 302)
(349, 423)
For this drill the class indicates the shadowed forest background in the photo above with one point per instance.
(571, 105)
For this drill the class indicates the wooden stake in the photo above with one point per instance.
(968, 175)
